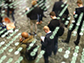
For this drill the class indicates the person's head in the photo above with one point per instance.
(79, 3)
(46, 29)
(52, 14)
(24, 35)
(33, 2)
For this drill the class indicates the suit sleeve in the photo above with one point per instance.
(44, 44)
(54, 7)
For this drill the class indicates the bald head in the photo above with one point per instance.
(46, 29)
(24, 34)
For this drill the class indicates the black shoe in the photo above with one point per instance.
(76, 43)
(65, 41)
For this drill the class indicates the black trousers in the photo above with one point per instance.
(46, 58)
(69, 36)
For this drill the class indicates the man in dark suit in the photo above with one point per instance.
(57, 8)
(78, 11)
(52, 25)
(47, 44)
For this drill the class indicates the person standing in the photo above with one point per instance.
(25, 41)
(10, 9)
(78, 11)
(42, 8)
(52, 25)
(33, 18)
(47, 44)
(57, 8)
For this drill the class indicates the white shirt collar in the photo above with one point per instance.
(48, 32)
(81, 6)
(54, 17)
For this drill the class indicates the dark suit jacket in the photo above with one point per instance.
(56, 23)
(78, 12)
(57, 8)
(33, 13)
(48, 44)
(53, 24)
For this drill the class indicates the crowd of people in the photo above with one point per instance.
(36, 15)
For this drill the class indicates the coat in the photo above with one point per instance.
(78, 12)
(33, 13)
(48, 44)
(56, 23)
(57, 8)
(23, 51)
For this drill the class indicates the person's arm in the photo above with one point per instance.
(67, 12)
(20, 39)
(25, 41)
(75, 12)
(45, 43)
(54, 7)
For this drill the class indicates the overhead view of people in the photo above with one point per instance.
(41, 31)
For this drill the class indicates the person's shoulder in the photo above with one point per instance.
(48, 35)
(80, 9)
(53, 19)
(29, 39)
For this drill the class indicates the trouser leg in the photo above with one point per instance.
(35, 26)
(13, 16)
(31, 27)
(56, 46)
(46, 59)
(7, 12)
(78, 38)
(68, 36)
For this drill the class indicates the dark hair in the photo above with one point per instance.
(52, 13)
(79, 1)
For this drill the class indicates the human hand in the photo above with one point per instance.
(21, 40)
(74, 12)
